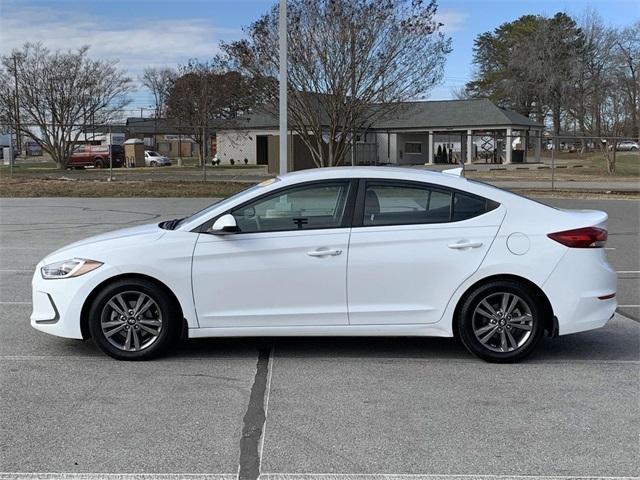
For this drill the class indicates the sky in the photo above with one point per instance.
(142, 33)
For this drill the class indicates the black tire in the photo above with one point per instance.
(153, 163)
(164, 310)
(97, 163)
(508, 339)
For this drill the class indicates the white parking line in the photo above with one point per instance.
(628, 306)
(266, 402)
(386, 476)
(291, 476)
(117, 476)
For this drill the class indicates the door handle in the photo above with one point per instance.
(462, 245)
(324, 252)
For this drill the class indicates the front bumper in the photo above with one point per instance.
(57, 304)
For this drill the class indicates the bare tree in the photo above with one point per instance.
(627, 72)
(60, 94)
(589, 92)
(351, 62)
(159, 81)
(206, 93)
(460, 93)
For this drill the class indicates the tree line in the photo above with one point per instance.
(582, 75)
(350, 62)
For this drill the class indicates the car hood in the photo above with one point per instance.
(151, 231)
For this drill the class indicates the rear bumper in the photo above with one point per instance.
(580, 290)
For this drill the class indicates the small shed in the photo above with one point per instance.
(134, 152)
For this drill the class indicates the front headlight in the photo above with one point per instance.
(68, 268)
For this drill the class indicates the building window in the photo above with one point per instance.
(413, 147)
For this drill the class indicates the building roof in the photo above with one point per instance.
(476, 113)
(439, 114)
(150, 126)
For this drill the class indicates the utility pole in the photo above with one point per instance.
(110, 154)
(204, 154)
(353, 94)
(282, 32)
(17, 124)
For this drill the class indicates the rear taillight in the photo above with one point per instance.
(588, 237)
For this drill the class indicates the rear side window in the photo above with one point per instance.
(410, 204)
(402, 205)
(467, 206)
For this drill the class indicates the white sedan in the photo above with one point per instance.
(154, 159)
(344, 251)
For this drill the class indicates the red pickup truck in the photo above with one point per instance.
(95, 156)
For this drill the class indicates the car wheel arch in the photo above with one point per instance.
(550, 321)
(86, 306)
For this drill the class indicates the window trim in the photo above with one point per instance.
(358, 215)
(347, 218)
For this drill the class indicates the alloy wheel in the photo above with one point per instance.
(502, 322)
(131, 321)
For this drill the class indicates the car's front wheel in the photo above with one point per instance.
(133, 319)
(501, 321)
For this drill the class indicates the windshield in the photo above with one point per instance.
(153, 154)
(203, 214)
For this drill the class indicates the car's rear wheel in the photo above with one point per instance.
(98, 163)
(134, 319)
(501, 321)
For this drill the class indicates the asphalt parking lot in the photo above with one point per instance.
(332, 406)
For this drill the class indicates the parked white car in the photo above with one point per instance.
(343, 251)
(628, 146)
(154, 159)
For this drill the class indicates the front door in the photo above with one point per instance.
(285, 267)
(415, 244)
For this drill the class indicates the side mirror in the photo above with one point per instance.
(224, 225)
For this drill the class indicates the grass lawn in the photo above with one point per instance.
(42, 178)
(627, 165)
(39, 187)
(189, 164)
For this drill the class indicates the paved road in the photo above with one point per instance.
(349, 406)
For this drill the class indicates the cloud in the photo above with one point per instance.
(453, 20)
(135, 44)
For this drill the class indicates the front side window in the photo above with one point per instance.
(399, 204)
(307, 207)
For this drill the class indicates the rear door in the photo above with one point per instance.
(412, 245)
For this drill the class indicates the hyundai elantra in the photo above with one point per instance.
(345, 251)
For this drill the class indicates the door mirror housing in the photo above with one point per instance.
(224, 225)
